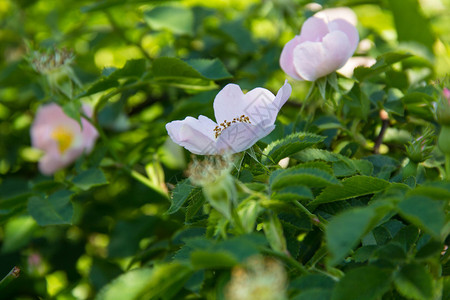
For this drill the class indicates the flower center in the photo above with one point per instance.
(63, 137)
(219, 128)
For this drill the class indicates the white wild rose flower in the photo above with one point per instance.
(242, 120)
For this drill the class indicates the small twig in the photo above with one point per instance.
(384, 125)
(13, 274)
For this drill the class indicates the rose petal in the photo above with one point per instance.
(349, 30)
(287, 58)
(197, 136)
(313, 60)
(313, 30)
(228, 103)
(241, 136)
(331, 14)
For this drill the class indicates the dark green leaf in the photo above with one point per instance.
(351, 187)
(425, 213)
(414, 281)
(89, 178)
(301, 176)
(290, 145)
(364, 283)
(210, 68)
(55, 209)
(180, 194)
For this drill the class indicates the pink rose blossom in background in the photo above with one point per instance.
(60, 137)
(446, 93)
(325, 43)
(242, 120)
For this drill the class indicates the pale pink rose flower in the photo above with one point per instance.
(354, 62)
(323, 46)
(242, 119)
(60, 137)
(331, 14)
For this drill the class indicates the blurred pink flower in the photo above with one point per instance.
(60, 137)
(446, 93)
(242, 119)
(324, 45)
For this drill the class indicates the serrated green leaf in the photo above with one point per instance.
(177, 19)
(289, 145)
(414, 281)
(364, 283)
(424, 212)
(293, 193)
(55, 209)
(145, 283)
(351, 187)
(301, 176)
(180, 195)
(89, 178)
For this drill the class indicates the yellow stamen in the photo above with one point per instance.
(64, 138)
(218, 130)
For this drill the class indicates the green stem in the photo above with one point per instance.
(447, 166)
(13, 274)
(314, 218)
(288, 259)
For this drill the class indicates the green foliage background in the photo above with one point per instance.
(124, 223)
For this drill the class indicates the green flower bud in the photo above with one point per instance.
(443, 108)
(420, 149)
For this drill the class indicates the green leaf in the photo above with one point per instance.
(209, 259)
(289, 145)
(105, 4)
(161, 281)
(345, 230)
(72, 109)
(351, 187)
(210, 68)
(313, 294)
(180, 195)
(17, 233)
(425, 213)
(364, 283)
(309, 177)
(294, 193)
(55, 209)
(414, 281)
(382, 64)
(89, 178)
(178, 19)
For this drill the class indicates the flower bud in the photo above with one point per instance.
(443, 108)
(419, 150)
(444, 140)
